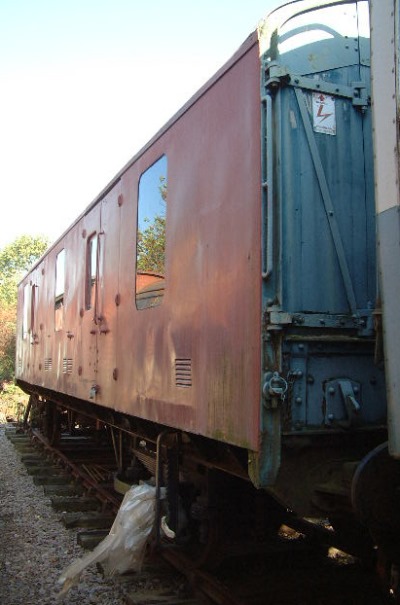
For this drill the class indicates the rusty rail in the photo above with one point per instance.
(210, 586)
(90, 484)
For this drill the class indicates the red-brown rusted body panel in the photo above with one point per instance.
(210, 315)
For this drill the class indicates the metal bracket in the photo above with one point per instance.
(347, 391)
(362, 320)
(277, 75)
(350, 402)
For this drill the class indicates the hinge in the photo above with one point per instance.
(276, 75)
(362, 321)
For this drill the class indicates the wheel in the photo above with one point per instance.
(376, 500)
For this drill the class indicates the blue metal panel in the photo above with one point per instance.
(319, 270)
(317, 373)
(327, 211)
(312, 279)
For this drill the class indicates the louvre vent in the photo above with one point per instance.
(19, 365)
(67, 365)
(183, 372)
(148, 460)
(48, 364)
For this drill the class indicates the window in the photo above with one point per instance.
(26, 311)
(91, 270)
(150, 238)
(33, 312)
(60, 288)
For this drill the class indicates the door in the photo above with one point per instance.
(323, 163)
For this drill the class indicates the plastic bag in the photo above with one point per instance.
(124, 547)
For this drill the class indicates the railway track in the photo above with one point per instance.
(77, 477)
(80, 489)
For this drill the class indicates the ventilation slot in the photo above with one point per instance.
(67, 366)
(183, 372)
(19, 365)
(48, 364)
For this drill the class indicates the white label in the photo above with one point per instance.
(324, 113)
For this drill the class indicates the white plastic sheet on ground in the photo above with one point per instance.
(124, 547)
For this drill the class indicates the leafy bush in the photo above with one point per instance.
(13, 402)
(7, 341)
(15, 260)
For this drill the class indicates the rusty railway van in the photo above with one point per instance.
(223, 285)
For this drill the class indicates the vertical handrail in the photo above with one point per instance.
(98, 295)
(268, 246)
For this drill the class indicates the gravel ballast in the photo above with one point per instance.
(35, 547)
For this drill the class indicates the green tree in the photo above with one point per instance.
(15, 260)
(7, 342)
(151, 241)
(151, 247)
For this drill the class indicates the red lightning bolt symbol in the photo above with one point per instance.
(322, 115)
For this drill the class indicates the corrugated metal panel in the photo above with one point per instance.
(311, 261)
(310, 265)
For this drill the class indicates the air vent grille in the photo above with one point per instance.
(48, 364)
(67, 365)
(183, 372)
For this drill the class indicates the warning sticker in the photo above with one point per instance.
(324, 113)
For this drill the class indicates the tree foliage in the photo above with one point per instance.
(151, 240)
(15, 260)
(7, 341)
(151, 247)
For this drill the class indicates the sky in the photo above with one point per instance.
(85, 83)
